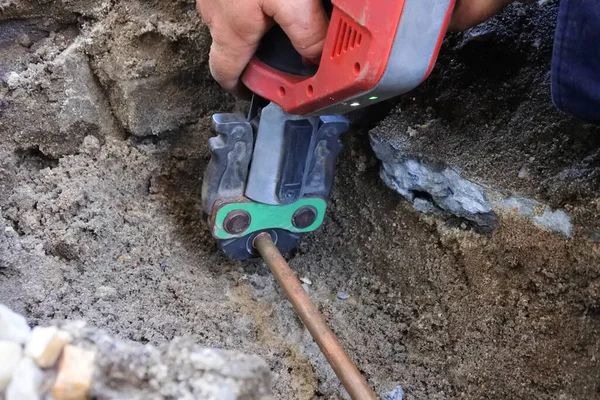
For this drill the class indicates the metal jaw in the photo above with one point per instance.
(270, 173)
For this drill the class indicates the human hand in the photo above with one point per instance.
(236, 27)
(468, 13)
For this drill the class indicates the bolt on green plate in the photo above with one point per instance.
(266, 216)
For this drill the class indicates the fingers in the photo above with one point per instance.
(227, 61)
(236, 28)
(468, 13)
(304, 22)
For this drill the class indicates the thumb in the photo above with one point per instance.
(303, 21)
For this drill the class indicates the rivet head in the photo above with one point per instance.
(237, 222)
(304, 217)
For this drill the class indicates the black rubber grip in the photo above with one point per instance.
(276, 51)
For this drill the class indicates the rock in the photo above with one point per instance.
(306, 280)
(24, 40)
(305, 287)
(477, 34)
(85, 110)
(155, 73)
(45, 345)
(75, 373)
(105, 292)
(523, 173)
(180, 369)
(56, 103)
(90, 146)
(442, 186)
(13, 80)
(26, 381)
(424, 206)
(435, 187)
(143, 113)
(10, 354)
(343, 295)
(557, 221)
(13, 326)
(396, 394)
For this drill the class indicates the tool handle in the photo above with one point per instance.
(359, 43)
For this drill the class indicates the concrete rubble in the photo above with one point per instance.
(70, 361)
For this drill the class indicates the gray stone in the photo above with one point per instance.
(396, 394)
(84, 109)
(141, 109)
(155, 72)
(177, 369)
(343, 295)
(432, 187)
(424, 206)
(24, 40)
(439, 185)
(105, 293)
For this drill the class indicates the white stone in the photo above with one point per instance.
(10, 355)
(13, 80)
(306, 280)
(45, 344)
(13, 326)
(26, 381)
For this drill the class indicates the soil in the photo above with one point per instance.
(102, 219)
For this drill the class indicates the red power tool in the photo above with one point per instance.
(272, 171)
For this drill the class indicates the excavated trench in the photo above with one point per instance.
(464, 223)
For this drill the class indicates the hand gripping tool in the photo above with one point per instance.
(272, 170)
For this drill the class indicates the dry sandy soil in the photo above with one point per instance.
(104, 119)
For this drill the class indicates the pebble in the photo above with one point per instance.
(90, 145)
(10, 354)
(148, 67)
(24, 40)
(75, 372)
(13, 80)
(26, 381)
(523, 173)
(305, 287)
(396, 394)
(105, 293)
(343, 295)
(306, 280)
(13, 326)
(45, 345)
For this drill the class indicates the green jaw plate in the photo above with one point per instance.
(265, 216)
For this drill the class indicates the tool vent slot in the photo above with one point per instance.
(348, 37)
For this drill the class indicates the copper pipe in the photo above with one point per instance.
(346, 371)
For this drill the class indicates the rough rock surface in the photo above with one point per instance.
(176, 369)
(99, 366)
(103, 224)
